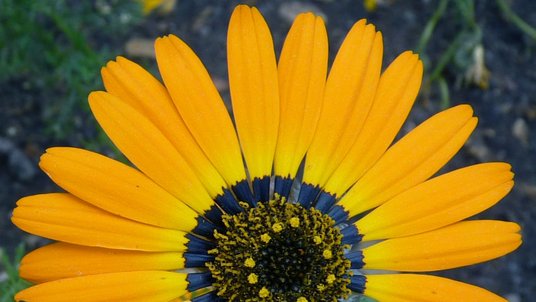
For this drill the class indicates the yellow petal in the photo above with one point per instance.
(140, 286)
(116, 188)
(397, 90)
(139, 89)
(439, 202)
(424, 288)
(349, 93)
(254, 88)
(64, 260)
(460, 244)
(302, 75)
(412, 160)
(66, 218)
(144, 145)
(200, 106)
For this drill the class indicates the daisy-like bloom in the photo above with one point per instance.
(217, 212)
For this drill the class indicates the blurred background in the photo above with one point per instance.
(480, 52)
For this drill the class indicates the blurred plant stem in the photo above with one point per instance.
(465, 53)
(430, 26)
(459, 55)
(516, 20)
(444, 93)
(445, 58)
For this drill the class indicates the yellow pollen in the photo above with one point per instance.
(263, 293)
(264, 241)
(330, 278)
(295, 222)
(265, 238)
(253, 279)
(277, 227)
(249, 262)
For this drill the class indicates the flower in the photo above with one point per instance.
(210, 214)
(370, 5)
(164, 6)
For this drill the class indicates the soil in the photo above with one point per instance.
(506, 110)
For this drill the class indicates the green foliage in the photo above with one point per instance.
(10, 286)
(56, 48)
(464, 55)
(516, 20)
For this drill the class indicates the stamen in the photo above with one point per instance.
(280, 251)
(253, 278)
(330, 278)
(277, 227)
(265, 238)
(263, 293)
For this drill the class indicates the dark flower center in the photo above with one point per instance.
(280, 251)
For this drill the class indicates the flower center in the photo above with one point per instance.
(280, 251)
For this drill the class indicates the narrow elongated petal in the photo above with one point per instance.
(140, 286)
(200, 106)
(139, 89)
(460, 244)
(64, 260)
(254, 88)
(424, 288)
(397, 90)
(302, 76)
(66, 218)
(413, 159)
(349, 93)
(144, 145)
(116, 188)
(438, 202)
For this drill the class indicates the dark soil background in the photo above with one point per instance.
(506, 109)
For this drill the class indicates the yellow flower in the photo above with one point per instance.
(370, 5)
(165, 6)
(125, 234)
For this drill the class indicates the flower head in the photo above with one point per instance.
(216, 212)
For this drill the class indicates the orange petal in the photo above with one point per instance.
(254, 88)
(66, 218)
(302, 76)
(460, 244)
(139, 89)
(144, 145)
(64, 260)
(397, 90)
(424, 288)
(412, 159)
(140, 286)
(438, 202)
(116, 188)
(200, 106)
(350, 90)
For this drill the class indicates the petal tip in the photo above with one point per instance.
(95, 96)
(242, 9)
